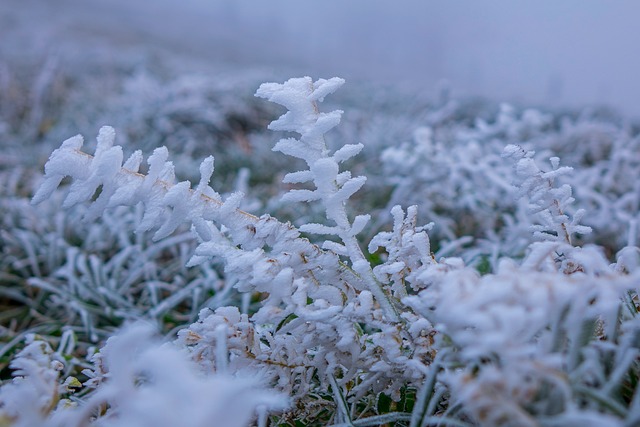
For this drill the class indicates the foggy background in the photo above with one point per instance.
(546, 52)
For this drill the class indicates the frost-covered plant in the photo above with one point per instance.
(332, 188)
(528, 347)
(327, 319)
(36, 388)
(135, 379)
(546, 202)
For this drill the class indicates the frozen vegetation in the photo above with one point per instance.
(216, 258)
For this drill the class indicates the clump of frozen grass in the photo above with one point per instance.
(137, 380)
(60, 272)
(521, 349)
(35, 390)
(453, 170)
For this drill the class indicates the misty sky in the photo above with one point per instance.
(568, 52)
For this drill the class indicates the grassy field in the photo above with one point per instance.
(483, 273)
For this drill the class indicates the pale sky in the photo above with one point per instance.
(551, 52)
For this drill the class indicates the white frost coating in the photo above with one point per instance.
(134, 161)
(359, 222)
(349, 188)
(292, 94)
(342, 178)
(512, 150)
(106, 138)
(206, 171)
(336, 247)
(301, 196)
(347, 151)
(322, 88)
(297, 177)
(323, 124)
(162, 197)
(319, 229)
(103, 168)
(178, 198)
(62, 162)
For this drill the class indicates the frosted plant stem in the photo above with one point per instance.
(356, 255)
(333, 188)
(222, 353)
(363, 269)
(341, 401)
(426, 394)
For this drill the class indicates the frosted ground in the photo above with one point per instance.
(484, 273)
